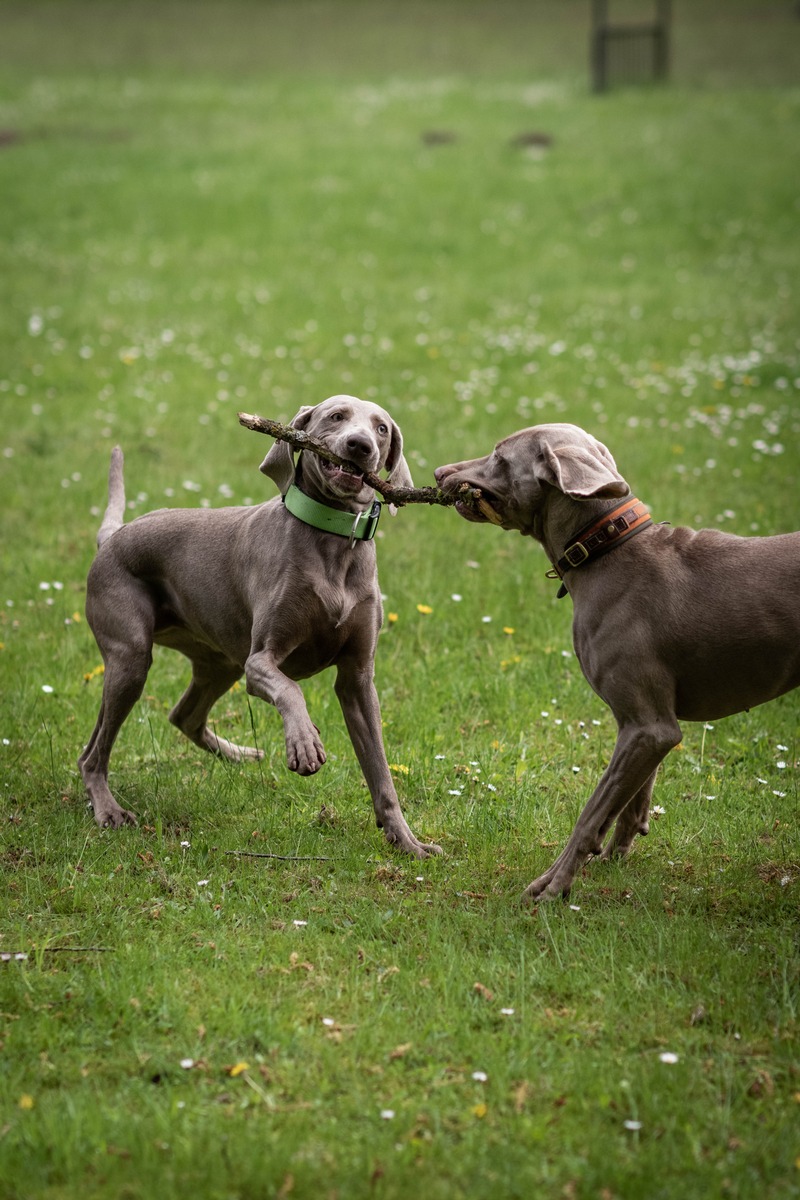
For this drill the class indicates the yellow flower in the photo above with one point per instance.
(425, 609)
(391, 617)
(399, 768)
(479, 1111)
(238, 1069)
(26, 1102)
(508, 629)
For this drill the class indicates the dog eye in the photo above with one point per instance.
(337, 416)
(383, 429)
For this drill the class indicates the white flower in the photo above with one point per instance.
(203, 882)
(187, 1063)
(47, 688)
(387, 1114)
(634, 1126)
(480, 1076)
(507, 1012)
(668, 1057)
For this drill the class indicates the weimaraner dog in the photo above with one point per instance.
(277, 592)
(669, 624)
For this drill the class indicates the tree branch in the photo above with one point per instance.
(393, 495)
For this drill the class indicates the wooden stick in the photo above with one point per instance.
(280, 857)
(393, 495)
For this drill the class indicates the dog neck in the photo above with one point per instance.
(604, 525)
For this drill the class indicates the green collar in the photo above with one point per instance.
(358, 527)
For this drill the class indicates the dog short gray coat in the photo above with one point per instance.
(252, 591)
(672, 624)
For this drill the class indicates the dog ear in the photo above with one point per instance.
(279, 464)
(399, 473)
(583, 471)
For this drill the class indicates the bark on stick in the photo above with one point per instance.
(398, 496)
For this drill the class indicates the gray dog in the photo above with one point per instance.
(277, 592)
(669, 624)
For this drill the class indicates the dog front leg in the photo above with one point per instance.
(305, 752)
(638, 751)
(358, 697)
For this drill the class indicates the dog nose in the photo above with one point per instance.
(441, 473)
(358, 444)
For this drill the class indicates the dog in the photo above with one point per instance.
(277, 592)
(668, 624)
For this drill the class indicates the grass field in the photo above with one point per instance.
(216, 207)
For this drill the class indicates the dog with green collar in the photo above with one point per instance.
(276, 592)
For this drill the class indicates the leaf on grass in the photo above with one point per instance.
(483, 991)
(521, 1094)
(400, 1051)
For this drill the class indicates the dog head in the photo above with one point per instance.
(361, 432)
(517, 477)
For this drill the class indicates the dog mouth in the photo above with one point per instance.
(483, 508)
(347, 478)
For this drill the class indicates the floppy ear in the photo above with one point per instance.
(279, 464)
(399, 473)
(583, 470)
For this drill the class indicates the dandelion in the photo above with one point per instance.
(425, 609)
(509, 629)
(26, 1102)
(399, 768)
(392, 617)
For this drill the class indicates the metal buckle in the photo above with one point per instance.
(371, 517)
(576, 554)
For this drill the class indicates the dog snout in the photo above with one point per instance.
(443, 473)
(360, 447)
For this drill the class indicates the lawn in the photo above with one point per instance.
(214, 207)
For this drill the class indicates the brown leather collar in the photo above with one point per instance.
(601, 535)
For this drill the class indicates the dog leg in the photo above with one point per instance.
(122, 686)
(210, 680)
(637, 753)
(361, 708)
(632, 821)
(305, 752)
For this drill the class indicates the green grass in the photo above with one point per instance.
(220, 207)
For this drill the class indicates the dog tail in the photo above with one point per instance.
(115, 510)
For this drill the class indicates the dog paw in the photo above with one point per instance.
(546, 888)
(306, 755)
(115, 818)
(403, 839)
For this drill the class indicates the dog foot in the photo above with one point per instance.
(305, 753)
(114, 818)
(398, 834)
